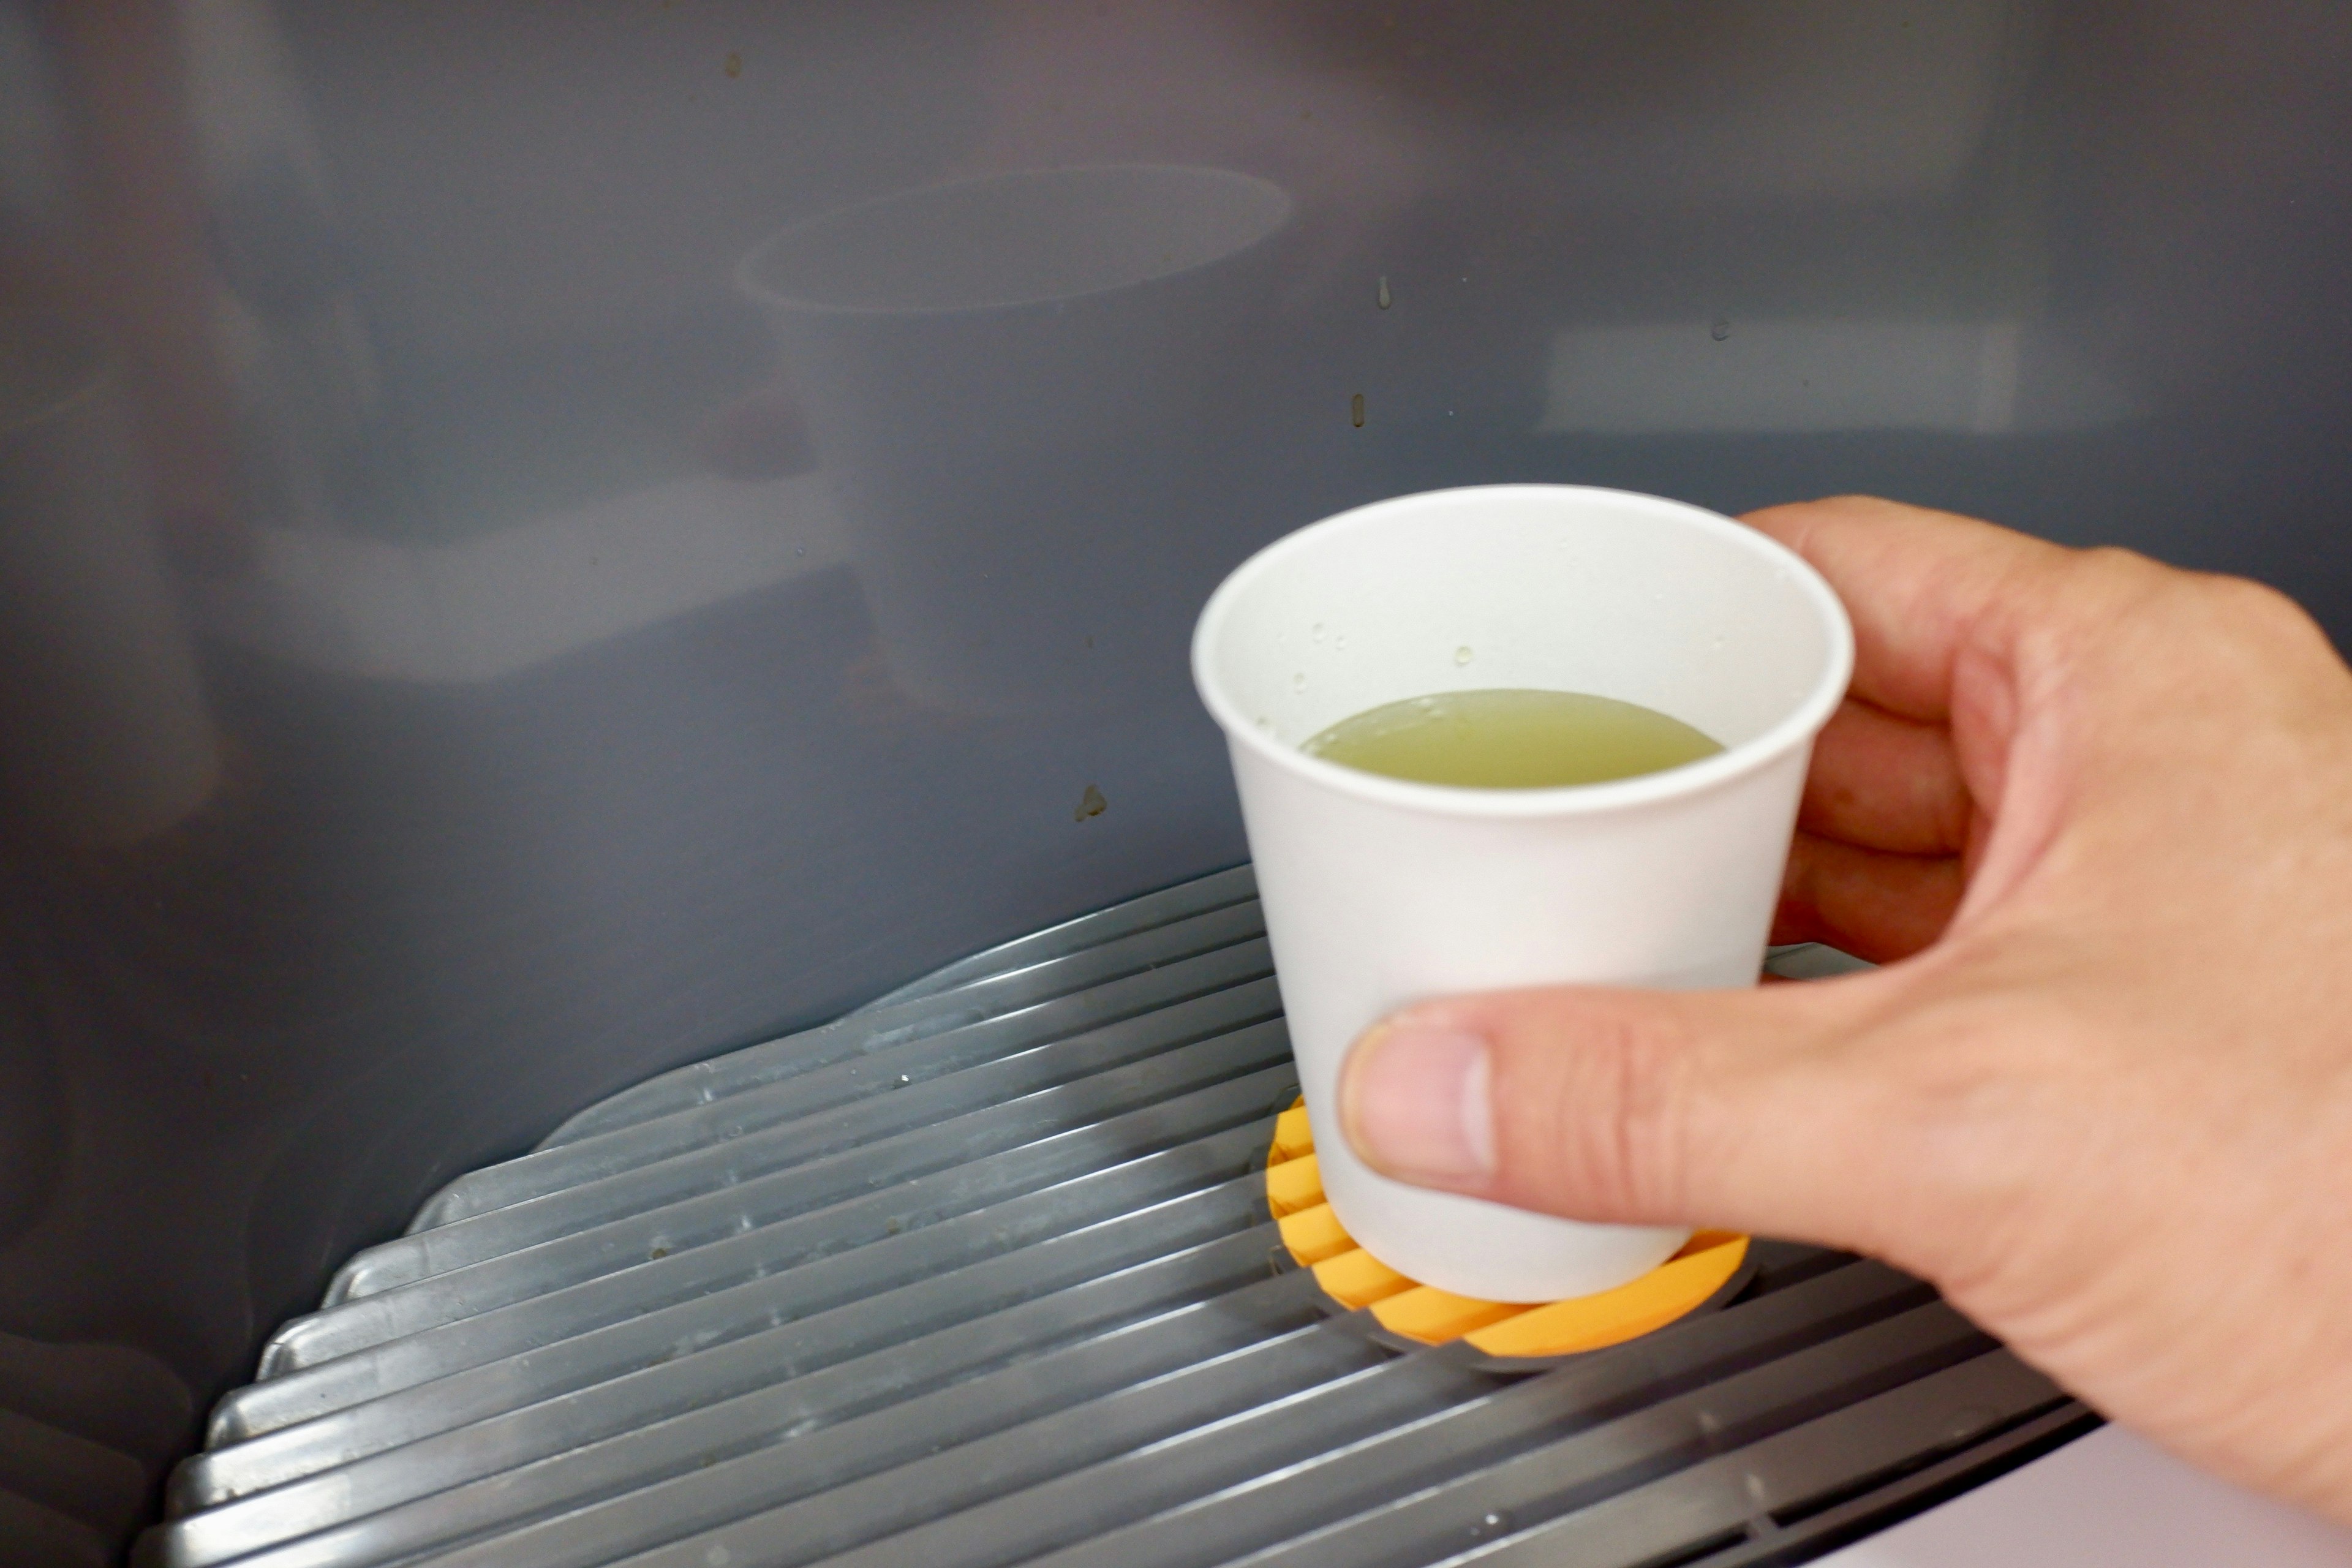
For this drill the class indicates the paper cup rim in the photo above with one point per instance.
(1798, 726)
(749, 282)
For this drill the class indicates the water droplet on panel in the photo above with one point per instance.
(1318, 632)
(1462, 654)
(1298, 681)
(1383, 296)
(1721, 329)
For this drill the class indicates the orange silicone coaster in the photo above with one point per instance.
(1354, 1278)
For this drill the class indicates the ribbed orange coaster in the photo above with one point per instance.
(1354, 1278)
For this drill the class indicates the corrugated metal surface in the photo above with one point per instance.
(983, 1274)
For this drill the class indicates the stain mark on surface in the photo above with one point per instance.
(1355, 411)
(1090, 804)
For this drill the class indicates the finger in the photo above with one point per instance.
(1730, 1107)
(1884, 782)
(1921, 586)
(1872, 904)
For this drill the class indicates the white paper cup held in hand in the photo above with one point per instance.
(1379, 891)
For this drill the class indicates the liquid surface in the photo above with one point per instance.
(1511, 739)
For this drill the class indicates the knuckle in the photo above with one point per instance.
(2080, 607)
(2230, 618)
(2109, 577)
(2259, 608)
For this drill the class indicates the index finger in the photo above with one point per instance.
(1918, 585)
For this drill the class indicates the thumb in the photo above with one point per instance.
(1742, 1108)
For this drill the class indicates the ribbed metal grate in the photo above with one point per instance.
(981, 1274)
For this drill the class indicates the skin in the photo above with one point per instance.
(2094, 816)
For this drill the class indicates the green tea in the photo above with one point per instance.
(1511, 739)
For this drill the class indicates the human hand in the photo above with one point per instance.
(2101, 812)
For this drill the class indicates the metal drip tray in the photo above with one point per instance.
(981, 1274)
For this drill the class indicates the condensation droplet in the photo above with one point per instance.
(1339, 643)
(800, 550)
(1462, 654)
(1265, 723)
(1298, 681)
(1317, 633)
(1383, 295)
(1721, 329)
(905, 1079)
(1356, 410)
(734, 63)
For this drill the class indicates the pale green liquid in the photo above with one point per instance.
(1513, 739)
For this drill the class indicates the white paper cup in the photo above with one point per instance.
(1379, 891)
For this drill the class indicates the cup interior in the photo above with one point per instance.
(1017, 238)
(1555, 587)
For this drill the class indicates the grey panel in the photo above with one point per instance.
(976, 1192)
(562, 1191)
(1026, 1306)
(621, 1240)
(1747, 1492)
(1469, 1437)
(1164, 908)
(435, 1381)
(867, 1030)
